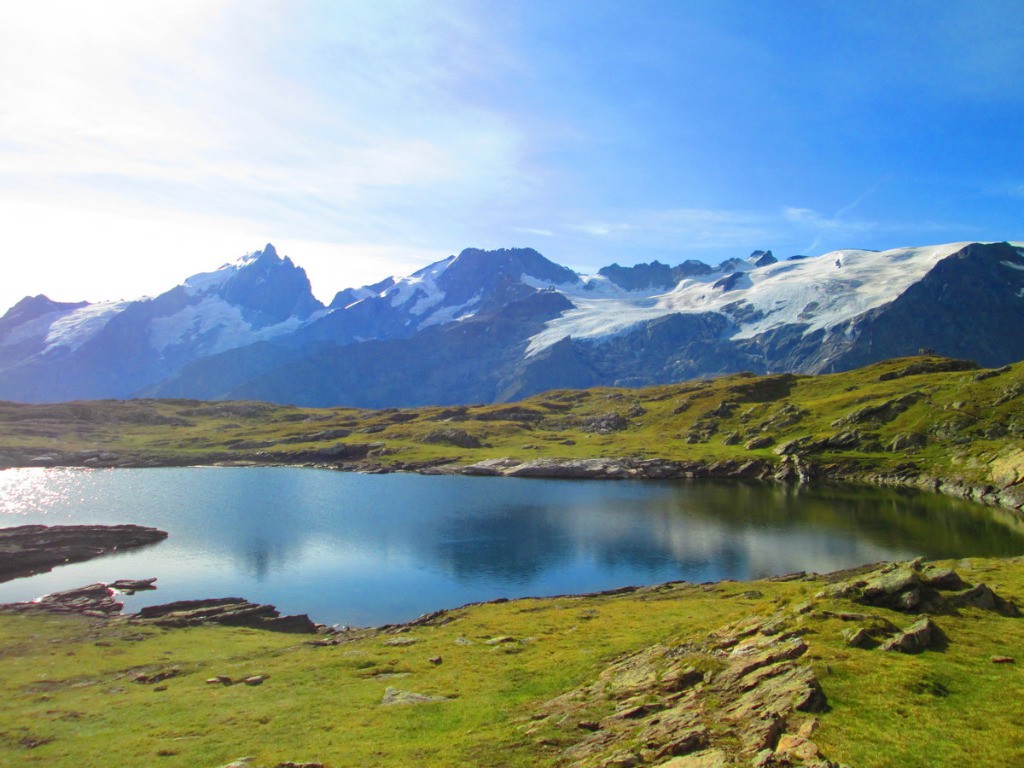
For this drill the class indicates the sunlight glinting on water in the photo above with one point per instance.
(32, 490)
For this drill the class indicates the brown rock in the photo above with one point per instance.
(232, 611)
(918, 637)
(858, 638)
(156, 677)
(708, 758)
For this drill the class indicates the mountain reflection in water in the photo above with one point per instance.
(368, 549)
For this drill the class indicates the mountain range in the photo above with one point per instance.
(496, 326)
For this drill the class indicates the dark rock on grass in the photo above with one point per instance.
(982, 596)
(930, 366)
(913, 587)
(332, 453)
(231, 611)
(859, 637)
(160, 675)
(605, 424)
(920, 636)
(460, 438)
(907, 440)
(27, 550)
(880, 413)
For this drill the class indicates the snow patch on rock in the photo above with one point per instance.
(77, 327)
(216, 326)
(818, 292)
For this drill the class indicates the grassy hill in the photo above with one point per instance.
(921, 420)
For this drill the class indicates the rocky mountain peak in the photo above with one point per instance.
(32, 307)
(484, 266)
(261, 283)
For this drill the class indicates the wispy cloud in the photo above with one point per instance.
(683, 227)
(341, 122)
(839, 223)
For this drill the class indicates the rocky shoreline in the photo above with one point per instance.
(100, 601)
(27, 550)
(792, 469)
(1007, 491)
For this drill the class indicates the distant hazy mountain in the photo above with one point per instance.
(499, 325)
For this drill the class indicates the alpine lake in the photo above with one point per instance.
(363, 550)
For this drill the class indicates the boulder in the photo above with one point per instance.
(919, 636)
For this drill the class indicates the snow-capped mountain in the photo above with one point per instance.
(499, 325)
(54, 351)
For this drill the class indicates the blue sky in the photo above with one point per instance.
(143, 142)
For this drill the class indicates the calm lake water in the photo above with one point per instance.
(369, 549)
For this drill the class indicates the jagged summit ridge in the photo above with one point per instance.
(496, 325)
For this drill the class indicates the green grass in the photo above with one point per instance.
(969, 425)
(70, 700)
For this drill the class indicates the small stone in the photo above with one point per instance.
(588, 725)
(1003, 660)
(255, 679)
(435, 660)
(160, 688)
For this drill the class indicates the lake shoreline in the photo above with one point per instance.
(790, 469)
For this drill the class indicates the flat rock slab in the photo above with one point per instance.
(26, 550)
(395, 696)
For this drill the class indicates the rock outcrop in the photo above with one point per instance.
(743, 696)
(27, 550)
(915, 587)
(232, 611)
(99, 600)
